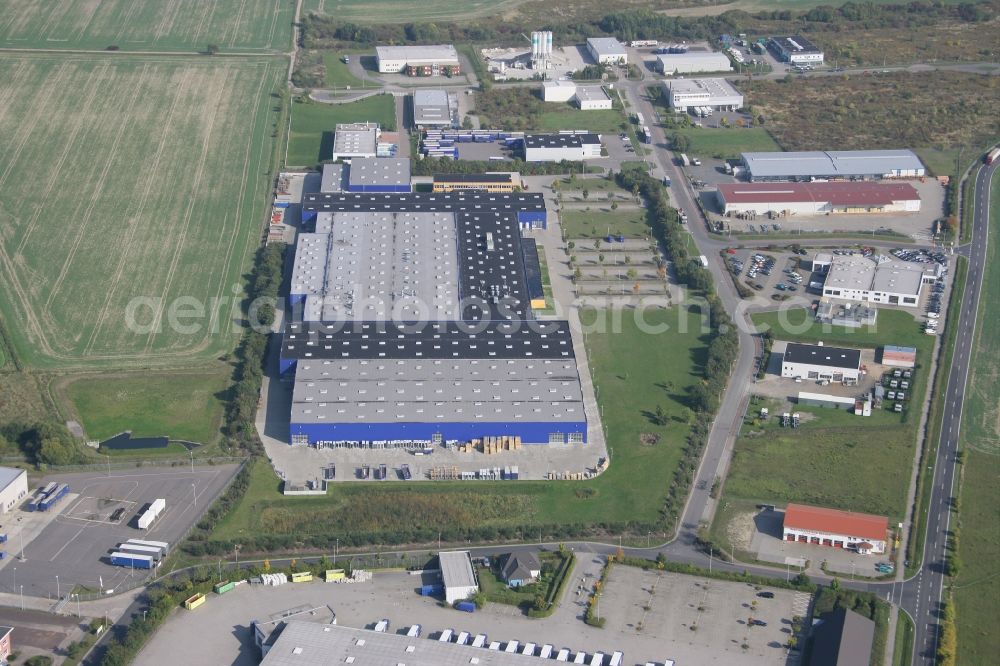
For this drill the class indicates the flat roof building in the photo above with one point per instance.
(433, 60)
(332, 179)
(899, 357)
(572, 147)
(833, 164)
(692, 62)
(302, 643)
(558, 91)
(876, 280)
(506, 181)
(590, 98)
(797, 50)
(607, 51)
(355, 140)
(379, 174)
(817, 198)
(862, 532)
(432, 108)
(13, 487)
(683, 94)
(820, 362)
(458, 574)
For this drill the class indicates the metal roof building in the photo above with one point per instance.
(607, 50)
(797, 50)
(355, 140)
(431, 108)
(842, 638)
(379, 174)
(312, 644)
(13, 487)
(570, 146)
(683, 94)
(429, 60)
(692, 62)
(835, 164)
(458, 574)
(818, 197)
(878, 280)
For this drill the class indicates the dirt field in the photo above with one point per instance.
(125, 179)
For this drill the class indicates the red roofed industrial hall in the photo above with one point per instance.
(862, 532)
(817, 198)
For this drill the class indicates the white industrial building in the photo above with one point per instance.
(433, 108)
(13, 487)
(355, 140)
(458, 575)
(418, 60)
(557, 147)
(558, 91)
(821, 363)
(591, 98)
(797, 50)
(692, 62)
(817, 198)
(607, 51)
(833, 164)
(719, 94)
(875, 280)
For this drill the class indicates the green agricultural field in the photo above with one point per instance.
(406, 11)
(726, 143)
(185, 406)
(596, 223)
(132, 192)
(636, 372)
(977, 589)
(157, 25)
(311, 138)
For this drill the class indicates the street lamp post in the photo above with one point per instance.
(336, 551)
(191, 451)
(15, 579)
(58, 595)
(194, 494)
(22, 597)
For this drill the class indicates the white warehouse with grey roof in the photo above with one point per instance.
(833, 164)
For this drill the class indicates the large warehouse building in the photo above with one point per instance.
(692, 62)
(833, 164)
(433, 108)
(607, 51)
(719, 94)
(458, 575)
(797, 50)
(820, 362)
(572, 147)
(865, 533)
(440, 59)
(875, 280)
(352, 140)
(817, 198)
(412, 324)
(13, 487)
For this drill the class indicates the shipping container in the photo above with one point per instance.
(563, 655)
(152, 551)
(48, 488)
(479, 641)
(413, 631)
(162, 545)
(529, 649)
(132, 560)
(302, 577)
(616, 659)
(597, 659)
(52, 498)
(495, 646)
(430, 590)
(580, 658)
(546, 652)
(223, 587)
(3, 538)
(445, 636)
(463, 638)
(194, 601)
(382, 626)
(511, 647)
(334, 574)
(466, 606)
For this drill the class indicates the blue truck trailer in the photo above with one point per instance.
(132, 560)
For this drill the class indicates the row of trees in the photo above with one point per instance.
(41, 443)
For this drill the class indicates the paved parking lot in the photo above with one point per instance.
(219, 631)
(74, 544)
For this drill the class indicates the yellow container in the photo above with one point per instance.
(302, 577)
(195, 601)
(334, 574)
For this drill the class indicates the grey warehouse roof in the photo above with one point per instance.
(332, 179)
(420, 53)
(606, 46)
(355, 139)
(844, 638)
(834, 357)
(795, 44)
(430, 107)
(378, 171)
(311, 644)
(435, 340)
(831, 164)
(8, 475)
(436, 390)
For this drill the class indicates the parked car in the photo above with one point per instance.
(766, 595)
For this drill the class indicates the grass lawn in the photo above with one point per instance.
(570, 117)
(163, 25)
(977, 589)
(596, 223)
(134, 190)
(635, 371)
(406, 11)
(726, 143)
(337, 73)
(896, 327)
(186, 406)
(310, 140)
(493, 586)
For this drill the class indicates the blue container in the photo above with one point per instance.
(610, 239)
(466, 606)
(281, 204)
(621, 238)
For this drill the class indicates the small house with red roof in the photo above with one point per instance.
(862, 532)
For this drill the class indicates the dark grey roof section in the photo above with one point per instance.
(833, 357)
(491, 267)
(842, 638)
(461, 201)
(560, 140)
(433, 340)
(796, 44)
(518, 566)
(532, 269)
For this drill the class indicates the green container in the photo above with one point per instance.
(223, 587)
